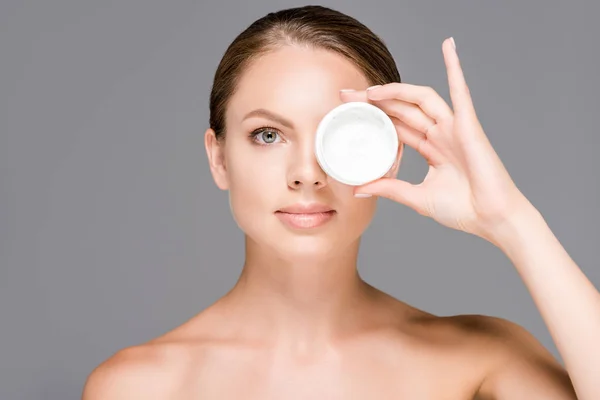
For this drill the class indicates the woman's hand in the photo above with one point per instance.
(467, 187)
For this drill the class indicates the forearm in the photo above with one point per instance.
(568, 302)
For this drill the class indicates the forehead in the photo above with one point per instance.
(295, 81)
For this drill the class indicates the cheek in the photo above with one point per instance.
(255, 186)
(256, 176)
(360, 213)
(357, 211)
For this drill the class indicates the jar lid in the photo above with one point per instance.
(356, 143)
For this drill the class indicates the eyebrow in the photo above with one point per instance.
(261, 112)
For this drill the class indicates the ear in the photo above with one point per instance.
(215, 151)
(393, 172)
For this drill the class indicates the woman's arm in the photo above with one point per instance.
(468, 188)
(568, 302)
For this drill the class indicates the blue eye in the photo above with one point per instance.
(264, 136)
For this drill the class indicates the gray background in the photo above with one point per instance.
(112, 231)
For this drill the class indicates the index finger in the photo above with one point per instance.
(459, 91)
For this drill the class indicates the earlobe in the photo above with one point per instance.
(216, 159)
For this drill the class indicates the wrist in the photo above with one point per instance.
(511, 229)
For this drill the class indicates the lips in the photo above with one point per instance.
(305, 220)
(305, 216)
(306, 208)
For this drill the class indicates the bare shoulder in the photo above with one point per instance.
(148, 371)
(157, 369)
(516, 363)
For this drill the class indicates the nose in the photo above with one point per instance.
(304, 171)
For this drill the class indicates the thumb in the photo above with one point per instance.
(397, 190)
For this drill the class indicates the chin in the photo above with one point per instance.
(292, 243)
(316, 246)
(306, 244)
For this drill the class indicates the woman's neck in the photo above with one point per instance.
(299, 304)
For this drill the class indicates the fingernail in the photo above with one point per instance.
(362, 195)
(347, 90)
(371, 87)
(453, 43)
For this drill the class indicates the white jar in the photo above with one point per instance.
(356, 143)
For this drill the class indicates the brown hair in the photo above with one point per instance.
(312, 25)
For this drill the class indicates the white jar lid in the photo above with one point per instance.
(356, 143)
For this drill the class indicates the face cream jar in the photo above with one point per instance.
(356, 143)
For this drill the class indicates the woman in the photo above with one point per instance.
(300, 322)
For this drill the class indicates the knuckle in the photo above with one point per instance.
(429, 96)
(427, 102)
(400, 112)
(447, 120)
(428, 129)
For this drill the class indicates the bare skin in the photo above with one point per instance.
(300, 323)
(397, 352)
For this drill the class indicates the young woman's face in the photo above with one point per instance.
(268, 163)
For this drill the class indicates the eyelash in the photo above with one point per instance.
(253, 135)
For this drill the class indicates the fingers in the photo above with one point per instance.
(354, 95)
(410, 121)
(409, 113)
(396, 190)
(418, 141)
(426, 98)
(459, 91)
